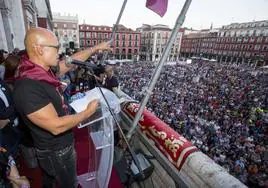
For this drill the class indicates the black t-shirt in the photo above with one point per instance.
(111, 82)
(99, 70)
(32, 95)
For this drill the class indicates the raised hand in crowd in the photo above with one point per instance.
(19, 182)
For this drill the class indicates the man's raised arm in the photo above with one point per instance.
(83, 56)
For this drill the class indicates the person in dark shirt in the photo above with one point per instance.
(9, 134)
(111, 81)
(38, 99)
(99, 74)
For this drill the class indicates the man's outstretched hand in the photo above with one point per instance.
(104, 46)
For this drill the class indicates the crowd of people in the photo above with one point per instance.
(222, 109)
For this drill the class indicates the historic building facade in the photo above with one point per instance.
(243, 42)
(154, 40)
(237, 42)
(65, 28)
(44, 17)
(126, 42)
(17, 16)
(199, 43)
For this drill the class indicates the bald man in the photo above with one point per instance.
(39, 101)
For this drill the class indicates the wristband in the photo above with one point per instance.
(11, 162)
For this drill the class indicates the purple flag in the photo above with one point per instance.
(158, 6)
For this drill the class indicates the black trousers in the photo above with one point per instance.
(58, 167)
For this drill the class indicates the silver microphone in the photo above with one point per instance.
(70, 61)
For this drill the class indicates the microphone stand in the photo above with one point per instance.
(131, 151)
(133, 155)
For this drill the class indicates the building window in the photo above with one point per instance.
(64, 25)
(130, 37)
(93, 28)
(129, 44)
(124, 37)
(94, 35)
(117, 36)
(55, 25)
(257, 47)
(264, 48)
(252, 39)
(117, 43)
(82, 42)
(124, 44)
(81, 27)
(259, 39)
(88, 35)
(136, 37)
(74, 26)
(94, 43)
(81, 34)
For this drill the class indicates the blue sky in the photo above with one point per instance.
(200, 14)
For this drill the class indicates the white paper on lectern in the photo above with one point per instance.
(80, 105)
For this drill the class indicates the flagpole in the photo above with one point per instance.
(135, 159)
(114, 29)
(157, 72)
